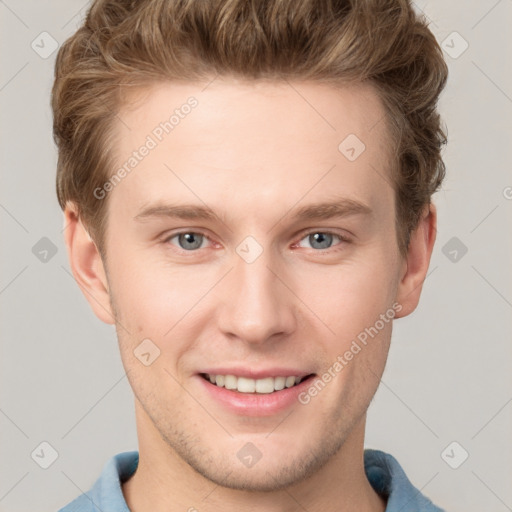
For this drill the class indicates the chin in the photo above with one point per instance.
(266, 478)
(270, 470)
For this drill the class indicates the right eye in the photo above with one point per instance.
(187, 241)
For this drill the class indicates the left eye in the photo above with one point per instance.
(321, 239)
(188, 240)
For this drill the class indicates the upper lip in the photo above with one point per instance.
(251, 373)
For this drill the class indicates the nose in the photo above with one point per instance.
(256, 304)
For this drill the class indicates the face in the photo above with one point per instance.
(226, 263)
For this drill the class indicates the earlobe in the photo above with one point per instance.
(417, 261)
(86, 265)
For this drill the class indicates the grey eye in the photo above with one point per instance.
(323, 240)
(320, 239)
(189, 240)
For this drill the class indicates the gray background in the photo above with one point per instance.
(449, 372)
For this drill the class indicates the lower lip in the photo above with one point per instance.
(255, 404)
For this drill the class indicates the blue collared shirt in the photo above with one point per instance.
(382, 470)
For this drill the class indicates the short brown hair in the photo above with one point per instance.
(126, 43)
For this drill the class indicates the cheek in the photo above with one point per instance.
(161, 303)
(348, 298)
(147, 291)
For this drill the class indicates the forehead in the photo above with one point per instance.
(301, 107)
(229, 140)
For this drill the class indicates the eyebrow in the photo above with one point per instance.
(320, 211)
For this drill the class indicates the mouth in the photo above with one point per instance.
(254, 392)
(263, 386)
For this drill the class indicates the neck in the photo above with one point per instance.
(163, 482)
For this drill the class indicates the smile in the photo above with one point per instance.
(246, 385)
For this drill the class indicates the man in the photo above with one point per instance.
(247, 192)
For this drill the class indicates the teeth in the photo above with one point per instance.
(230, 382)
(245, 385)
(265, 385)
(279, 383)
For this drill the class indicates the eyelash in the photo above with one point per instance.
(343, 239)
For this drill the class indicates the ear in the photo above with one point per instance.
(87, 265)
(416, 261)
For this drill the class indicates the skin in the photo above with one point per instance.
(254, 153)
